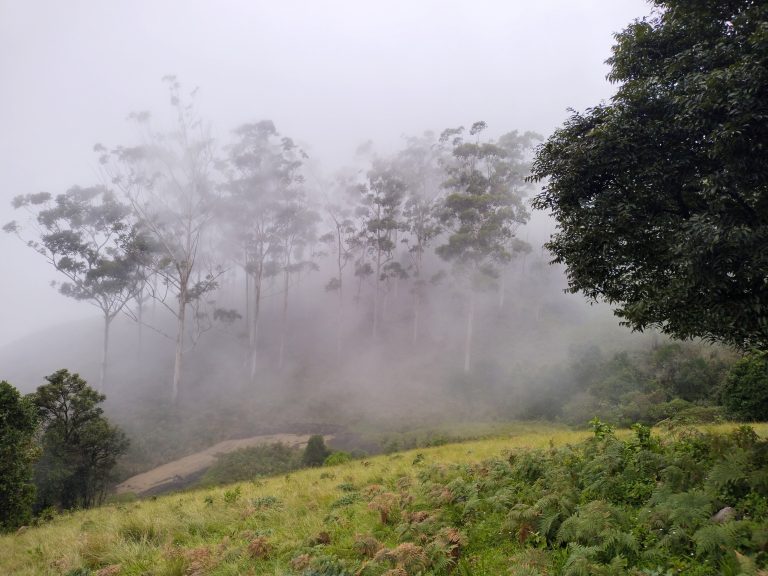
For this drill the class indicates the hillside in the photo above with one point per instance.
(481, 507)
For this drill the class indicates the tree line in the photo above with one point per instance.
(178, 214)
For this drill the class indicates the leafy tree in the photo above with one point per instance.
(18, 451)
(80, 446)
(745, 390)
(169, 183)
(481, 212)
(661, 195)
(90, 238)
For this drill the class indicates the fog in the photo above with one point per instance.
(330, 75)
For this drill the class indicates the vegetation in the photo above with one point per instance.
(545, 502)
(315, 452)
(252, 462)
(745, 391)
(79, 445)
(18, 423)
(660, 195)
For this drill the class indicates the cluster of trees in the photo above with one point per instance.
(178, 216)
(57, 450)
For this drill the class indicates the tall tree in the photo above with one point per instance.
(661, 195)
(263, 173)
(88, 236)
(420, 166)
(169, 181)
(18, 451)
(381, 204)
(296, 230)
(481, 212)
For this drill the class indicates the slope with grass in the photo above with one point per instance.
(542, 501)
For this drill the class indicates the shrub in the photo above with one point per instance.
(248, 463)
(337, 458)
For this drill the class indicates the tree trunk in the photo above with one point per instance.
(180, 327)
(284, 323)
(254, 330)
(416, 305)
(104, 352)
(377, 281)
(468, 336)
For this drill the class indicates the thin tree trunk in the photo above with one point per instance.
(468, 336)
(254, 331)
(416, 305)
(376, 292)
(502, 290)
(181, 325)
(104, 352)
(284, 323)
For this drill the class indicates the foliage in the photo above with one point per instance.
(661, 195)
(745, 390)
(315, 452)
(252, 462)
(80, 446)
(18, 423)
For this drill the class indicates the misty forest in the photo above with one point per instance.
(482, 344)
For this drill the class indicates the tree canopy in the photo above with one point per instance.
(661, 195)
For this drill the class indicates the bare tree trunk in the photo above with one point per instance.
(416, 305)
(502, 290)
(140, 334)
(284, 323)
(376, 296)
(180, 327)
(468, 336)
(254, 330)
(104, 352)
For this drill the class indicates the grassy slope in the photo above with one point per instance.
(219, 531)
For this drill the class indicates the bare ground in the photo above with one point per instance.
(179, 472)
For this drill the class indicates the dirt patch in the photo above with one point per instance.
(179, 472)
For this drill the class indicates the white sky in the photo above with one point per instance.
(331, 74)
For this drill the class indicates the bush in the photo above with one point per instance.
(745, 391)
(337, 458)
(248, 463)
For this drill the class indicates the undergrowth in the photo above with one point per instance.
(631, 503)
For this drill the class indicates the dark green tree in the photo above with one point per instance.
(315, 452)
(80, 446)
(745, 391)
(18, 451)
(661, 195)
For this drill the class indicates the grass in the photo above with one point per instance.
(276, 525)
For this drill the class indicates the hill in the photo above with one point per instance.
(543, 501)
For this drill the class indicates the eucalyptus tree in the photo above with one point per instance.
(263, 171)
(94, 242)
(296, 227)
(420, 166)
(380, 210)
(481, 212)
(169, 181)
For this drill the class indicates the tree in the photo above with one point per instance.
(481, 212)
(420, 165)
(661, 195)
(18, 451)
(745, 390)
(88, 236)
(264, 168)
(381, 200)
(80, 446)
(169, 183)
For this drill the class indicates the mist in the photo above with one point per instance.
(349, 83)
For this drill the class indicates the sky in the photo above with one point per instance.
(330, 73)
